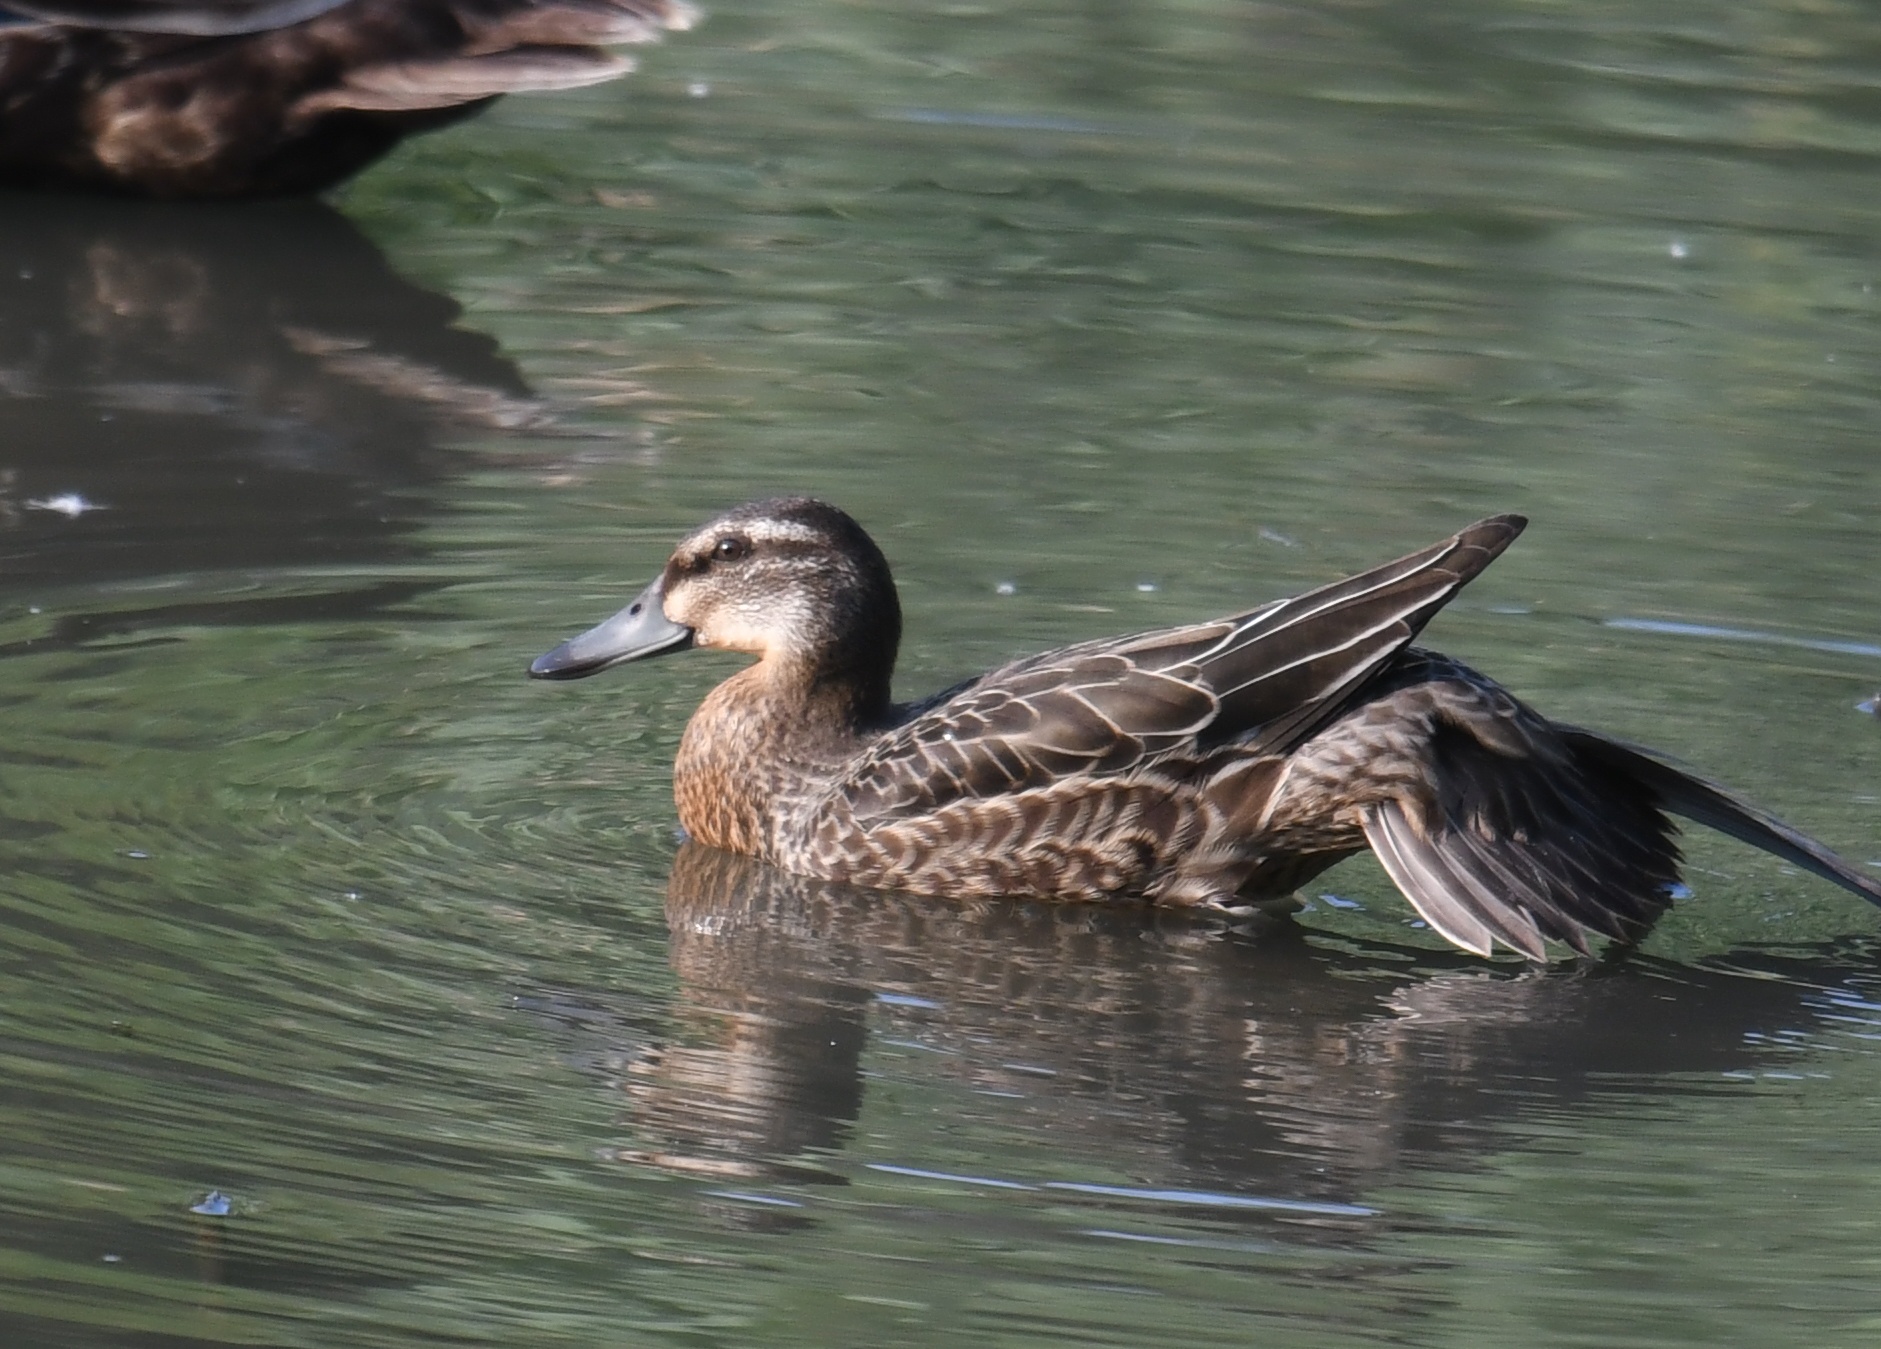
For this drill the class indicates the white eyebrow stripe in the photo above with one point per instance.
(781, 531)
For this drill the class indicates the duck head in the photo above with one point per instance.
(792, 581)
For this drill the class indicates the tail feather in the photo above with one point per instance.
(1708, 804)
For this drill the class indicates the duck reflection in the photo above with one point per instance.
(1259, 1064)
(188, 389)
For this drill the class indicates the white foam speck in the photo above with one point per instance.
(69, 504)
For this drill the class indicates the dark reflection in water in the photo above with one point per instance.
(1256, 1064)
(188, 389)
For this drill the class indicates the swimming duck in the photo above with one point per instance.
(230, 98)
(1217, 765)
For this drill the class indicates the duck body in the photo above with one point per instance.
(236, 98)
(1217, 765)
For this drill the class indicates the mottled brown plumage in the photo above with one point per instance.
(227, 98)
(1216, 765)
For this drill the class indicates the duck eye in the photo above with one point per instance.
(731, 548)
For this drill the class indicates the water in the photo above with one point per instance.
(1099, 318)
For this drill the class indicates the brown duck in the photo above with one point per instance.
(1217, 765)
(235, 98)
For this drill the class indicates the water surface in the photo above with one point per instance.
(1099, 318)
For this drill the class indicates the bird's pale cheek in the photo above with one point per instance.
(678, 611)
(733, 631)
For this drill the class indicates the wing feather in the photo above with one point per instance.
(1292, 665)
(1262, 680)
(1417, 870)
(1523, 844)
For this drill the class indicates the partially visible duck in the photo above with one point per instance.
(1218, 765)
(233, 98)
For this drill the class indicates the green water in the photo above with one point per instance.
(1099, 317)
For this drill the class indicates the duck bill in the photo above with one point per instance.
(640, 630)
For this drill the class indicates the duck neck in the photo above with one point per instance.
(763, 742)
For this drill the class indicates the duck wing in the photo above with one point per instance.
(1262, 681)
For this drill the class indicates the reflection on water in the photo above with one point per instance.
(1296, 1076)
(209, 389)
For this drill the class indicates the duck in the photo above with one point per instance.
(1213, 767)
(250, 98)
